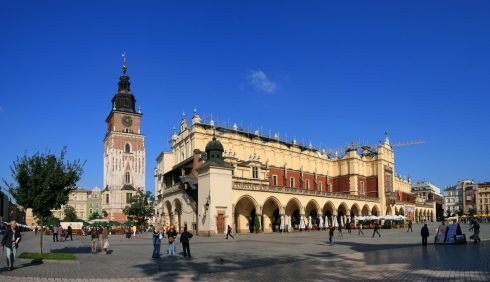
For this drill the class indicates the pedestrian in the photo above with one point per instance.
(104, 245)
(60, 233)
(425, 234)
(360, 230)
(134, 230)
(376, 229)
(157, 239)
(349, 227)
(331, 230)
(172, 235)
(69, 232)
(95, 239)
(184, 239)
(55, 233)
(475, 226)
(409, 226)
(36, 230)
(10, 241)
(340, 230)
(228, 232)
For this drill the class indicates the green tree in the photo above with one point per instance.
(70, 214)
(141, 207)
(43, 182)
(257, 224)
(94, 215)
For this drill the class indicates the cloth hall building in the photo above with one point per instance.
(216, 176)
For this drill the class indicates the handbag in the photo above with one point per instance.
(160, 236)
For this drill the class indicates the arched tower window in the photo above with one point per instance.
(128, 177)
(127, 149)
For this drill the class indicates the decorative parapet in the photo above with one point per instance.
(287, 190)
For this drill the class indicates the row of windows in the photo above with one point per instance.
(307, 184)
(96, 204)
(128, 198)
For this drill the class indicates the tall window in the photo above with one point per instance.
(320, 186)
(274, 180)
(291, 182)
(128, 148)
(128, 197)
(307, 186)
(361, 187)
(128, 178)
(107, 198)
(255, 172)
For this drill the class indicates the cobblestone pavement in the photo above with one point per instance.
(304, 256)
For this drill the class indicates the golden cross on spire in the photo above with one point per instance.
(124, 62)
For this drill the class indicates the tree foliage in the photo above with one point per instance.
(43, 182)
(141, 207)
(70, 214)
(95, 215)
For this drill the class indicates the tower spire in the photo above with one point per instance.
(124, 67)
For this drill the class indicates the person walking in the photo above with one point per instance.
(184, 239)
(172, 235)
(55, 233)
(157, 239)
(475, 226)
(134, 230)
(95, 239)
(360, 230)
(424, 232)
(10, 241)
(331, 230)
(228, 232)
(376, 229)
(60, 233)
(104, 245)
(340, 230)
(69, 232)
(410, 226)
(348, 226)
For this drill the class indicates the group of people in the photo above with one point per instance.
(95, 235)
(59, 234)
(171, 233)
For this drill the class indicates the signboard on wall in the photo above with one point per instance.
(409, 213)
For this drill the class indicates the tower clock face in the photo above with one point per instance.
(127, 121)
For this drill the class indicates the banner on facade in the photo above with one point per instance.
(409, 213)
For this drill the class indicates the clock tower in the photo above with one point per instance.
(124, 152)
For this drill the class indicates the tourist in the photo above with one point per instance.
(55, 233)
(331, 229)
(134, 230)
(157, 238)
(184, 239)
(10, 241)
(36, 230)
(60, 233)
(340, 230)
(95, 238)
(409, 226)
(348, 225)
(69, 232)
(172, 234)
(425, 234)
(376, 229)
(475, 226)
(228, 232)
(105, 240)
(360, 230)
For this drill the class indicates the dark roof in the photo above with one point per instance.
(214, 145)
(128, 187)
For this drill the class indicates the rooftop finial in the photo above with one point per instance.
(387, 139)
(124, 62)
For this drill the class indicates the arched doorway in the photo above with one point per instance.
(342, 214)
(311, 210)
(293, 210)
(271, 215)
(245, 215)
(178, 214)
(328, 209)
(355, 210)
(365, 210)
(375, 211)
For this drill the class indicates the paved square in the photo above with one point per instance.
(304, 256)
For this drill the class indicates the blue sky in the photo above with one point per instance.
(329, 72)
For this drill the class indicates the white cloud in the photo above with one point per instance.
(260, 81)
